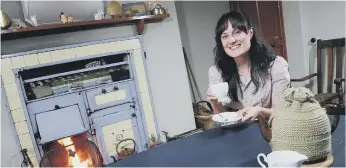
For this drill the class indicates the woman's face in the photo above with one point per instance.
(236, 42)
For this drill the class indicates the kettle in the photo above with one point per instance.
(126, 151)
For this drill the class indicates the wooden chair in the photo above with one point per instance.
(333, 101)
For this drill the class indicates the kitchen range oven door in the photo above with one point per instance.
(62, 112)
(112, 128)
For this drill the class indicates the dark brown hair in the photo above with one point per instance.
(261, 54)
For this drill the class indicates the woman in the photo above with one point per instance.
(255, 74)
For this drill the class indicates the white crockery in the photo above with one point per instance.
(283, 158)
(227, 118)
(220, 91)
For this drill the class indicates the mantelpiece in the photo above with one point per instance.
(80, 26)
(16, 103)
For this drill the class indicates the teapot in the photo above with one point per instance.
(284, 158)
(298, 124)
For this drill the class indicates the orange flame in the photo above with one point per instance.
(74, 161)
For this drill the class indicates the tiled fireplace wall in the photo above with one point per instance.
(9, 62)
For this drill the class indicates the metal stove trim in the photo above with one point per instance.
(149, 89)
(76, 71)
(27, 117)
(142, 121)
(71, 60)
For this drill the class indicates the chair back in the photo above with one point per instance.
(333, 47)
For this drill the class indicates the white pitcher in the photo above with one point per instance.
(282, 159)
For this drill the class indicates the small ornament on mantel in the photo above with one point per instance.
(114, 9)
(99, 15)
(157, 8)
(63, 18)
(66, 19)
(154, 3)
(154, 141)
(70, 19)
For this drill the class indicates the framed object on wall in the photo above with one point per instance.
(135, 9)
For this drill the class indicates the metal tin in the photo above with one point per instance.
(158, 11)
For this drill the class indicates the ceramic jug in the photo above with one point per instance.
(282, 159)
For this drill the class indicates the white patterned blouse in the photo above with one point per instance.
(266, 96)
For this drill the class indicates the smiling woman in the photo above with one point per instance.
(255, 74)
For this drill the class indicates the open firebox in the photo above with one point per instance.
(75, 151)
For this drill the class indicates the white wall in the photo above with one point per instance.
(197, 22)
(168, 76)
(325, 20)
(306, 19)
(165, 61)
(294, 38)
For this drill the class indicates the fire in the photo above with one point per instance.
(74, 160)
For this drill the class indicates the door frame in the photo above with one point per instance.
(234, 6)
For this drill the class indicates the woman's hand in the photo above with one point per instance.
(250, 113)
(217, 106)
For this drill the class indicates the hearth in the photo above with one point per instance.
(78, 109)
(67, 99)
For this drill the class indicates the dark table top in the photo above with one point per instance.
(220, 147)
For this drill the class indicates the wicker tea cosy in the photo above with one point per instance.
(300, 124)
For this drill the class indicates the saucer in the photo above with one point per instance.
(227, 119)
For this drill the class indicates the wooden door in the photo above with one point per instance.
(268, 20)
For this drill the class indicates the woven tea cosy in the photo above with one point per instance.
(300, 124)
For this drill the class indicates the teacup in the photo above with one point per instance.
(220, 91)
(282, 159)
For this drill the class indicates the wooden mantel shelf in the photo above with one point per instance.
(49, 29)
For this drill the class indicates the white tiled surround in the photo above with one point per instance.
(69, 52)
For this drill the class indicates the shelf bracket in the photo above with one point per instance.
(140, 26)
